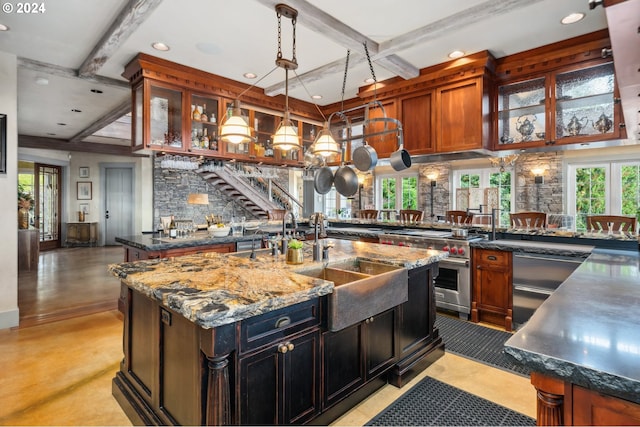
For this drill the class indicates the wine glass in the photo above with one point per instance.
(528, 221)
(609, 228)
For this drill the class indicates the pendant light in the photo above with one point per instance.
(286, 136)
(325, 145)
(235, 129)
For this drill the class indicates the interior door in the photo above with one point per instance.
(118, 203)
(47, 204)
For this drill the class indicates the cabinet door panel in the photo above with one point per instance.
(387, 143)
(414, 314)
(259, 392)
(416, 124)
(381, 343)
(343, 363)
(460, 116)
(302, 388)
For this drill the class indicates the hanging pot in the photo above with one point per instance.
(365, 157)
(346, 181)
(401, 159)
(323, 180)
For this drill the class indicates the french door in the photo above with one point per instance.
(47, 204)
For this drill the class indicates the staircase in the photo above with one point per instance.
(240, 190)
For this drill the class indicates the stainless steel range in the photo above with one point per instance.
(453, 283)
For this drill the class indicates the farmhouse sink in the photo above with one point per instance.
(362, 289)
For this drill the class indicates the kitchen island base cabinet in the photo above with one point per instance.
(419, 339)
(563, 403)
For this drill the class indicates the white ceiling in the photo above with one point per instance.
(232, 37)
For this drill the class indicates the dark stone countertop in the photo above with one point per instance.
(528, 246)
(588, 331)
(213, 289)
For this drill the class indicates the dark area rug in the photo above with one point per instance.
(432, 402)
(476, 342)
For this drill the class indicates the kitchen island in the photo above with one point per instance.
(225, 339)
(583, 344)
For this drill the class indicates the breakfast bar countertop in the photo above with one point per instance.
(213, 289)
(588, 331)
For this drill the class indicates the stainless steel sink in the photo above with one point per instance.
(362, 290)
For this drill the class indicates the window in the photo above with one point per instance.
(396, 192)
(336, 205)
(610, 188)
(486, 178)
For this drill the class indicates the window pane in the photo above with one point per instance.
(630, 177)
(590, 194)
(410, 193)
(502, 180)
(388, 186)
(330, 203)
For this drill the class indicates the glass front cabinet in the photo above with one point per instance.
(576, 105)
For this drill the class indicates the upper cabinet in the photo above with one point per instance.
(416, 112)
(179, 110)
(572, 105)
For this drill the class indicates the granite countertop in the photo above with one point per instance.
(588, 331)
(213, 289)
(528, 246)
(153, 242)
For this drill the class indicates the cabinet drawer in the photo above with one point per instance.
(490, 257)
(267, 328)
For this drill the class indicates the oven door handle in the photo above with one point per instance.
(453, 261)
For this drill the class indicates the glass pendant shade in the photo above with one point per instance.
(235, 129)
(324, 144)
(286, 136)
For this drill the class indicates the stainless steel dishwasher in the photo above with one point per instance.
(535, 277)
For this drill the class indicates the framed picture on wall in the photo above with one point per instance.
(84, 190)
(3, 143)
(84, 172)
(84, 207)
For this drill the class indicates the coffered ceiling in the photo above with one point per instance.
(72, 54)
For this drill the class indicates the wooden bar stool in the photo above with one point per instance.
(536, 219)
(461, 217)
(410, 215)
(368, 214)
(619, 224)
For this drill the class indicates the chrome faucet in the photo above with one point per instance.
(284, 229)
(318, 217)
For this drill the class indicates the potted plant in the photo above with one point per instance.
(25, 203)
(294, 252)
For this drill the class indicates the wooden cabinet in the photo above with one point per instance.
(492, 300)
(416, 113)
(357, 354)
(387, 141)
(82, 233)
(576, 104)
(462, 115)
(564, 403)
(419, 342)
(279, 366)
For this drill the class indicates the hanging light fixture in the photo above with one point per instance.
(286, 136)
(235, 129)
(325, 145)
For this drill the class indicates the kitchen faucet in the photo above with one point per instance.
(318, 217)
(284, 229)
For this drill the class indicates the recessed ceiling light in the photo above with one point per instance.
(96, 91)
(369, 80)
(51, 134)
(75, 110)
(572, 18)
(250, 75)
(62, 124)
(42, 81)
(316, 96)
(456, 54)
(160, 46)
(4, 27)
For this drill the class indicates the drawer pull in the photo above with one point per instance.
(290, 346)
(282, 348)
(492, 257)
(283, 321)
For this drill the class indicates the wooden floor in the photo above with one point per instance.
(69, 282)
(60, 362)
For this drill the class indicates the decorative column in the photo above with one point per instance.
(218, 394)
(550, 400)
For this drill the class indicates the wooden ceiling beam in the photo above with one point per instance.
(28, 141)
(69, 73)
(107, 119)
(134, 13)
